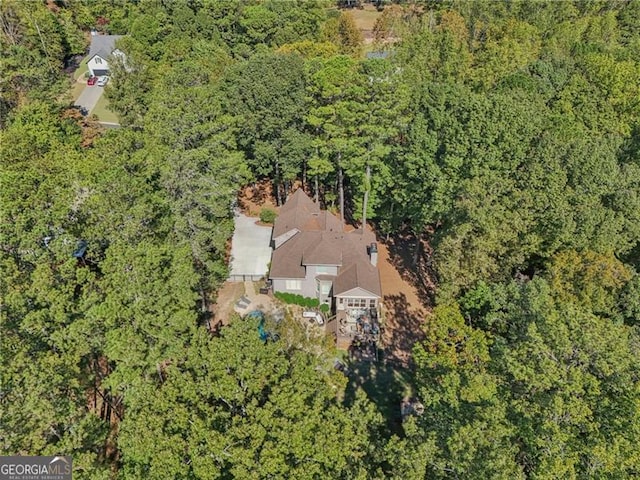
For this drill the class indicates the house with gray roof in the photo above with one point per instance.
(315, 257)
(102, 50)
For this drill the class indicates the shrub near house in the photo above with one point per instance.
(294, 299)
(268, 215)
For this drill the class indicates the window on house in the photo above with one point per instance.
(323, 269)
(372, 303)
(98, 60)
(323, 287)
(293, 284)
(356, 302)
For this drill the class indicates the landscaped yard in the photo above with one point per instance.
(407, 290)
(102, 111)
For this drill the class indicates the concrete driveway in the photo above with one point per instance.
(89, 97)
(250, 248)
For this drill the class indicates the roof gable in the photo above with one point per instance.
(286, 260)
(299, 200)
(357, 292)
(103, 45)
(358, 275)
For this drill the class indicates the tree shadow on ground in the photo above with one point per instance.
(420, 274)
(388, 381)
(385, 384)
(403, 328)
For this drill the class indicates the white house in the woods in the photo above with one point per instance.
(103, 48)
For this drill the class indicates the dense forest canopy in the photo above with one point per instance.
(503, 134)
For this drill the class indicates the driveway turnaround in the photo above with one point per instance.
(89, 97)
(250, 249)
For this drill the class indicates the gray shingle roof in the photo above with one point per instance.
(358, 270)
(103, 45)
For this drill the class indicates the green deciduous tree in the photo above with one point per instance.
(463, 412)
(267, 95)
(343, 31)
(35, 40)
(573, 393)
(590, 280)
(555, 395)
(239, 407)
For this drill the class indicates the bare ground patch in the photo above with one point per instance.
(253, 198)
(408, 295)
(222, 310)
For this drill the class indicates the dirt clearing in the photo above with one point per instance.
(407, 296)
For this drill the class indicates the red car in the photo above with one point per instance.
(92, 80)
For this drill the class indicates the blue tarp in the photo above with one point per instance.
(264, 335)
(80, 250)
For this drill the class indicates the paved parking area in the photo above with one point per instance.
(250, 248)
(89, 97)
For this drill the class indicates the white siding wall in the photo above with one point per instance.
(369, 302)
(308, 285)
(356, 294)
(278, 285)
(94, 64)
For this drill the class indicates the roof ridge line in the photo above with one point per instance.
(357, 280)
